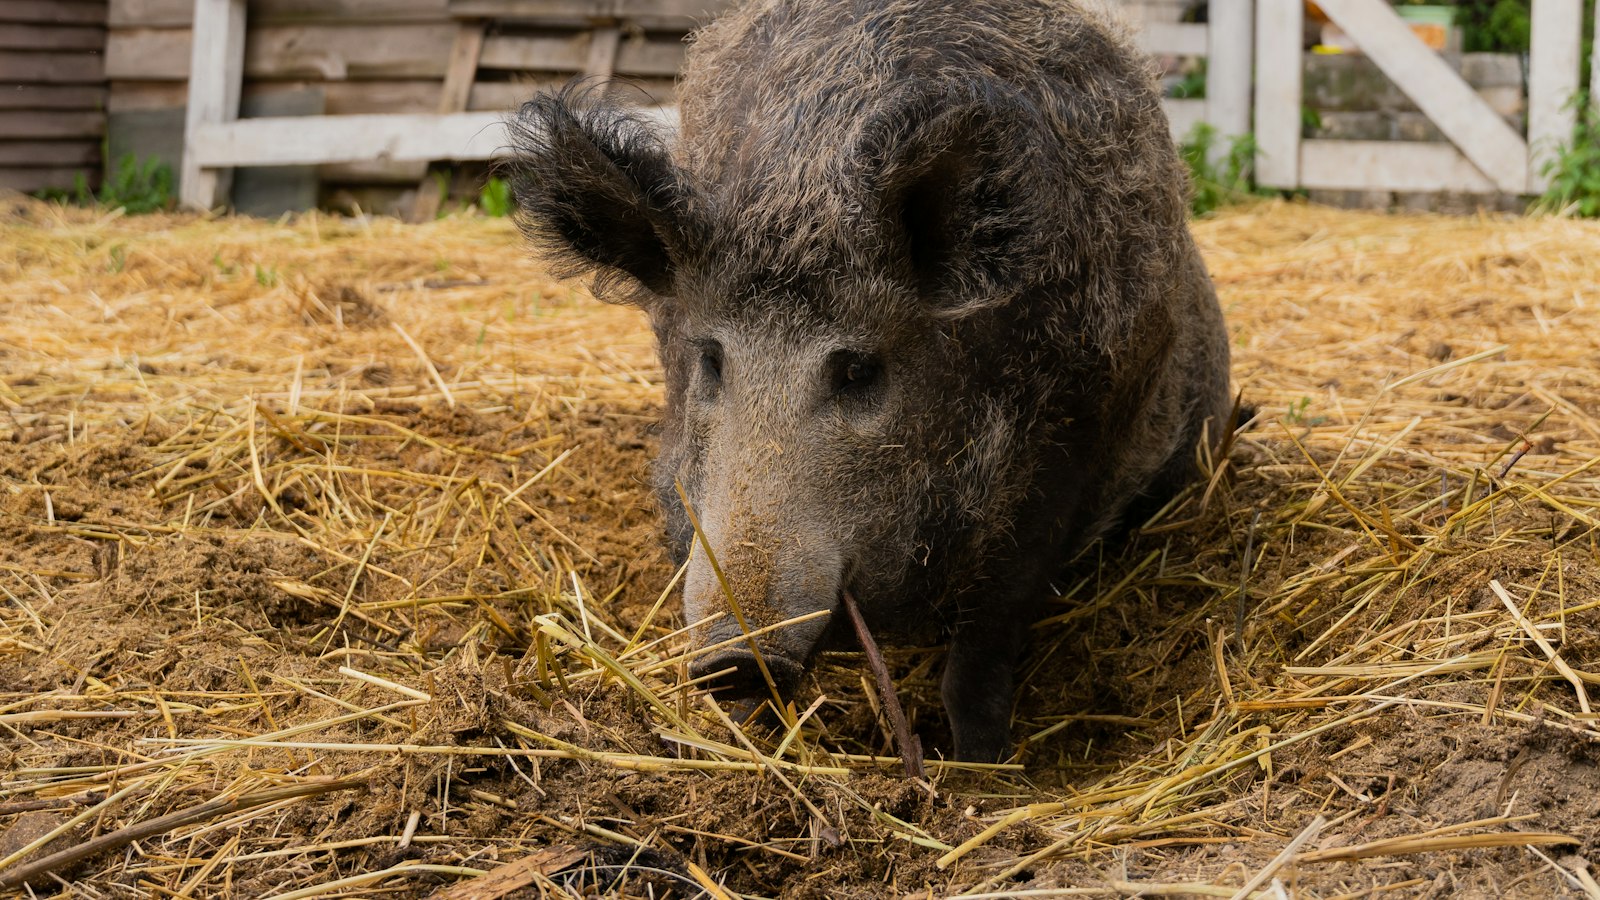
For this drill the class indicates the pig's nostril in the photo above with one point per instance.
(737, 674)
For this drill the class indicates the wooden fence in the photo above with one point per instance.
(52, 92)
(1484, 154)
(364, 91)
(636, 38)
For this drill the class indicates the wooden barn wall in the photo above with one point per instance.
(306, 57)
(52, 93)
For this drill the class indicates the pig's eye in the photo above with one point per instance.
(711, 363)
(855, 375)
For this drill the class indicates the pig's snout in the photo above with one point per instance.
(735, 673)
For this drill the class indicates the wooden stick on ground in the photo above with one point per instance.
(122, 837)
(909, 744)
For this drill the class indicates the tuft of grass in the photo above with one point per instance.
(132, 185)
(1219, 180)
(1574, 172)
(495, 199)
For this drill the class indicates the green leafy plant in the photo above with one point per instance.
(1494, 26)
(495, 199)
(134, 186)
(1192, 85)
(1219, 180)
(1574, 171)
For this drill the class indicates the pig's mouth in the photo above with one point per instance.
(736, 674)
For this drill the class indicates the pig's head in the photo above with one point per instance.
(824, 321)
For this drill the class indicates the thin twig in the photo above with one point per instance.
(910, 745)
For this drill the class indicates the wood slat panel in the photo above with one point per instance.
(47, 154)
(659, 56)
(342, 139)
(51, 37)
(52, 125)
(53, 67)
(322, 52)
(54, 12)
(682, 14)
(1389, 166)
(52, 96)
(367, 97)
(180, 13)
(29, 180)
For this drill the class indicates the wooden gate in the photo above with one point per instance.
(1484, 153)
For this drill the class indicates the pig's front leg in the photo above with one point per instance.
(979, 673)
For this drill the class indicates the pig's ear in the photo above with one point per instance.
(960, 206)
(597, 192)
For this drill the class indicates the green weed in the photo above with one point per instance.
(1219, 181)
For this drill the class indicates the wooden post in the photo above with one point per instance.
(604, 41)
(1279, 73)
(216, 74)
(458, 79)
(1229, 61)
(1554, 63)
(1594, 64)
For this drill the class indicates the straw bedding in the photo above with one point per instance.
(326, 568)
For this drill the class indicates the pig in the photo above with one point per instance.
(929, 313)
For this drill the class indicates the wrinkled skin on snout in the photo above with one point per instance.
(929, 313)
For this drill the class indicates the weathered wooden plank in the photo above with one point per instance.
(1228, 67)
(1463, 116)
(603, 47)
(32, 123)
(54, 12)
(1553, 72)
(49, 153)
(462, 69)
(217, 61)
(508, 95)
(359, 97)
(1279, 73)
(667, 15)
(1173, 38)
(51, 37)
(453, 98)
(325, 52)
(52, 67)
(52, 96)
(1389, 166)
(29, 180)
(335, 139)
(272, 191)
(180, 13)
(651, 55)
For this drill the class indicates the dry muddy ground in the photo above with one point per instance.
(327, 568)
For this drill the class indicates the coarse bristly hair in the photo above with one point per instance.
(572, 206)
(929, 312)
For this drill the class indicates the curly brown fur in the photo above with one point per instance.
(929, 311)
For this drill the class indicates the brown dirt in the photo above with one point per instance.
(225, 473)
